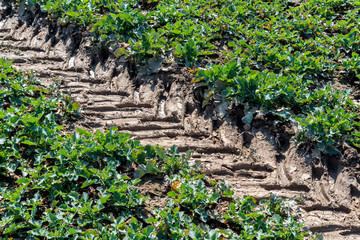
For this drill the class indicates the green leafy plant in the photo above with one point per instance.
(83, 185)
(263, 56)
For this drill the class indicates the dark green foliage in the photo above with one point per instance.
(81, 185)
(267, 56)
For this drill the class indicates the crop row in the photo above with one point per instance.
(61, 184)
(277, 58)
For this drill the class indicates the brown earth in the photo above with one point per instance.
(161, 106)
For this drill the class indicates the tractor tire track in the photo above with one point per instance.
(161, 108)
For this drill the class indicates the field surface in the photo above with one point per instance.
(219, 97)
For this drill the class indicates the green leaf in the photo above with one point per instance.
(140, 171)
(231, 44)
(22, 180)
(120, 52)
(202, 213)
(331, 150)
(88, 182)
(150, 166)
(277, 218)
(28, 142)
(104, 199)
(172, 194)
(247, 119)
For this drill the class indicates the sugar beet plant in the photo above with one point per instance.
(274, 57)
(58, 184)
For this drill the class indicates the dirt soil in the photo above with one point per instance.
(162, 107)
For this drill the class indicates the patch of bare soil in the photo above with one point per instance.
(162, 107)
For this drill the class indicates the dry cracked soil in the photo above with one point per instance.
(163, 107)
